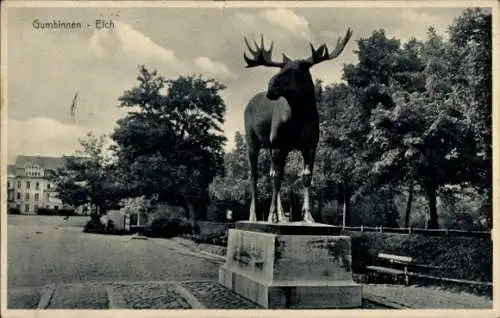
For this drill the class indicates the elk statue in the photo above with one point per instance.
(283, 119)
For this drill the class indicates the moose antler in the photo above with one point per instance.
(321, 54)
(261, 56)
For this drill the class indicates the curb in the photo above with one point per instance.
(46, 296)
(214, 256)
(384, 301)
(190, 298)
(115, 299)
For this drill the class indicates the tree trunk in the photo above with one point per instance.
(346, 211)
(347, 204)
(320, 205)
(340, 216)
(192, 212)
(430, 190)
(408, 205)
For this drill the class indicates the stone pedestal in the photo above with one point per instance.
(291, 265)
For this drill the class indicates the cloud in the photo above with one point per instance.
(415, 24)
(288, 20)
(272, 23)
(215, 68)
(130, 42)
(328, 34)
(420, 18)
(42, 136)
(245, 20)
(46, 68)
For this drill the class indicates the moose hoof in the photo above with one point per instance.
(252, 218)
(272, 173)
(308, 218)
(273, 218)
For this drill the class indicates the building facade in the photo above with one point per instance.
(29, 185)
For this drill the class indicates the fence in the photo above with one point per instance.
(412, 230)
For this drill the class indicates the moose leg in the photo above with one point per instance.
(253, 156)
(308, 156)
(281, 213)
(277, 169)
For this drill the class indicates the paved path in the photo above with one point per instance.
(56, 266)
(40, 255)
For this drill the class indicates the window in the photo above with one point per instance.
(36, 208)
(56, 207)
(27, 208)
(28, 184)
(36, 196)
(27, 196)
(48, 186)
(8, 184)
(37, 185)
(47, 206)
(18, 206)
(19, 184)
(19, 196)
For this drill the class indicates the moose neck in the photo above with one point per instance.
(303, 105)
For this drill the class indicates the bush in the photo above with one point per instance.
(216, 238)
(212, 232)
(110, 226)
(61, 212)
(14, 211)
(196, 229)
(94, 225)
(66, 212)
(163, 227)
(185, 228)
(162, 210)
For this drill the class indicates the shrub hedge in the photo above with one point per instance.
(468, 258)
(460, 257)
(168, 227)
(94, 225)
(13, 211)
(213, 232)
(61, 212)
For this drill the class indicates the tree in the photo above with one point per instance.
(170, 144)
(229, 189)
(340, 162)
(470, 37)
(139, 207)
(88, 177)
(417, 96)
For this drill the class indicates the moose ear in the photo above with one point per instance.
(286, 59)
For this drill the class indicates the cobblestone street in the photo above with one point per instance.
(138, 295)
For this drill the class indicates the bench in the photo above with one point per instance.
(399, 266)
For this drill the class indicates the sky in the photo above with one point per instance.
(45, 68)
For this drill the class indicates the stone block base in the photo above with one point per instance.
(292, 265)
(293, 295)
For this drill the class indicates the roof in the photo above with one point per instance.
(11, 169)
(52, 163)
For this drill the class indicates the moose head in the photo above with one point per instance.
(294, 76)
(285, 118)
